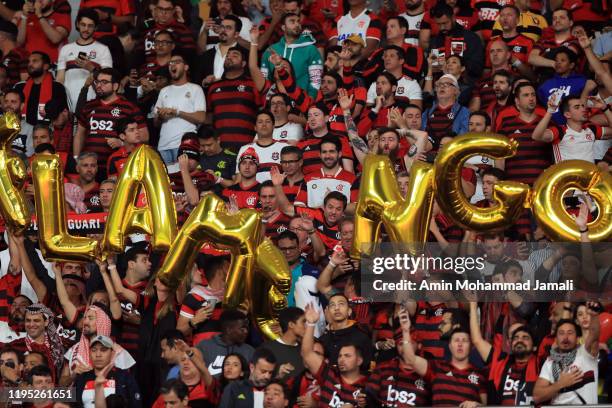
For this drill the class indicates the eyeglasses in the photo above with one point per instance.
(102, 82)
(444, 85)
(165, 9)
(287, 249)
(7, 363)
(289, 161)
(279, 103)
(163, 42)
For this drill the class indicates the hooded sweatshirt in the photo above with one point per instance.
(215, 349)
(304, 58)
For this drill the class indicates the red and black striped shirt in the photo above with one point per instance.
(16, 62)
(395, 386)
(426, 331)
(100, 119)
(245, 197)
(130, 333)
(532, 157)
(330, 235)
(234, 103)
(450, 386)
(440, 124)
(295, 192)
(311, 151)
(183, 38)
(334, 391)
(520, 47)
(276, 226)
(485, 91)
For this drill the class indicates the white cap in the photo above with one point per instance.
(451, 78)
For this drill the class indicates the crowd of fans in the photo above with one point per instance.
(274, 105)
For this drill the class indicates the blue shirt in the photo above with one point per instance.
(571, 85)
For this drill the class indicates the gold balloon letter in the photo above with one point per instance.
(55, 242)
(257, 266)
(143, 169)
(13, 206)
(509, 195)
(552, 186)
(405, 220)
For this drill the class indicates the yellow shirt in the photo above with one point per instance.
(530, 25)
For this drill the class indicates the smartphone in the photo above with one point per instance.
(436, 54)
(82, 55)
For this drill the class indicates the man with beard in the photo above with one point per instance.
(502, 86)
(96, 322)
(542, 54)
(330, 177)
(77, 60)
(499, 56)
(43, 26)
(233, 102)
(384, 103)
(453, 39)
(340, 377)
(300, 50)
(87, 170)
(532, 157)
(213, 60)
(180, 109)
(569, 375)
(39, 89)
(12, 327)
(97, 121)
(249, 392)
(415, 10)
(512, 375)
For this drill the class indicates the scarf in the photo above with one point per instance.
(81, 349)
(53, 342)
(561, 361)
(46, 91)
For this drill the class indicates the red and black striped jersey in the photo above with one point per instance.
(234, 103)
(276, 225)
(426, 332)
(16, 63)
(392, 385)
(148, 69)
(196, 299)
(334, 391)
(202, 180)
(484, 91)
(100, 120)
(520, 47)
(183, 38)
(548, 44)
(450, 386)
(330, 235)
(296, 193)
(10, 286)
(129, 335)
(245, 197)
(116, 162)
(440, 124)
(414, 58)
(488, 11)
(311, 150)
(532, 157)
(451, 231)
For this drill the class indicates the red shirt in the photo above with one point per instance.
(117, 8)
(36, 39)
(450, 386)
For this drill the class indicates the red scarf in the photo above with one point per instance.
(46, 89)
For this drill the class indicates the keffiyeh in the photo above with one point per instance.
(52, 339)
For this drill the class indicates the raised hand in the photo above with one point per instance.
(276, 176)
(311, 313)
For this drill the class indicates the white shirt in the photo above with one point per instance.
(348, 26)
(188, 98)
(414, 26)
(289, 132)
(406, 88)
(268, 156)
(123, 359)
(585, 362)
(576, 145)
(75, 77)
(244, 32)
(218, 68)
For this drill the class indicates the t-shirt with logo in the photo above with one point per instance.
(289, 132)
(366, 25)
(269, 156)
(74, 75)
(392, 385)
(246, 197)
(319, 184)
(450, 386)
(329, 234)
(187, 98)
(570, 144)
(335, 393)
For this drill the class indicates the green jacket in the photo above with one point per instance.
(304, 58)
